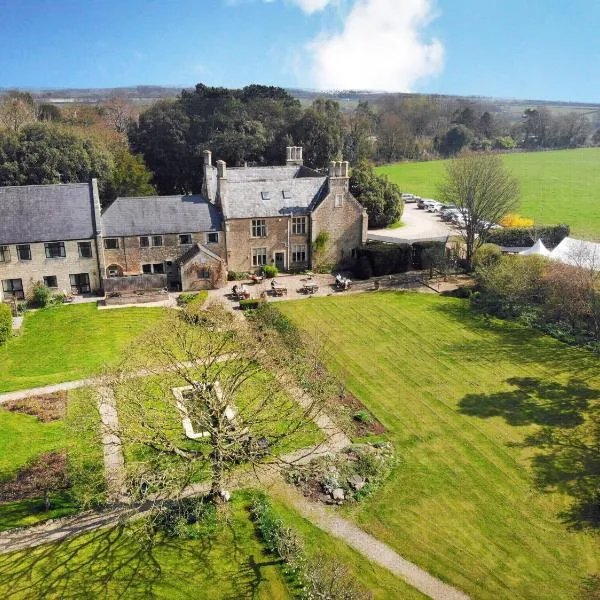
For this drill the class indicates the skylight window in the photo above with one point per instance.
(287, 194)
(265, 195)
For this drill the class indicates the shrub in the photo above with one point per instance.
(237, 275)
(195, 298)
(5, 322)
(515, 220)
(420, 256)
(386, 259)
(250, 303)
(363, 268)
(40, 295)
(486, 256)
(270, 271)
(515, 237)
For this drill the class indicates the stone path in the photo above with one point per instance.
(371, 548)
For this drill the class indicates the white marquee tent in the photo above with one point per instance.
(538, 248)
(577, 253)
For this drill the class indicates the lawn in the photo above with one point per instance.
(228, 564)
(462, 504)
(561, 186)
(23, 438)
(69, 342)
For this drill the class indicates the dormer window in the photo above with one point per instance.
(287, 194)
(265, 195)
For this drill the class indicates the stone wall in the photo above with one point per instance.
(130, 257)
(34, 270)
(345, 224)
(240, 243)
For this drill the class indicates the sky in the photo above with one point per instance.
(537, 49)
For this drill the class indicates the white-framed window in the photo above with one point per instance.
(185, 239)
(157, 240)
(111, 243)
(85, 249)
(299, 225)
(212, 237)
(4, 254)
(259, 228)
(259, 257)
(299, 253)
(24, 252)
(339, 200)
(144, 241)
(55, 250)
(51, 281)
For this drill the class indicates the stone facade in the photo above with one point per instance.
(279, 244)
(39, 266)
(133, 259)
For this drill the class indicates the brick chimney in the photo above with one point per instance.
(294, 156)
(98, 234)
(221, 183)
(339, 175)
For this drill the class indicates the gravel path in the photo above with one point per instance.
(326, 519)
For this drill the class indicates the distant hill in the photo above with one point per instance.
(348, 99)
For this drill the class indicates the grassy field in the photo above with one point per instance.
(462, 504)
(557, 187)
(69, 342)
(23, 438)
(228, 564)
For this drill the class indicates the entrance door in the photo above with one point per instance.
(280, 260)
(80, 283)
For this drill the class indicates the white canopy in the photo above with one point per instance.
(538, 248)
(577, 253)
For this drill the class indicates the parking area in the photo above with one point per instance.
(419, 225)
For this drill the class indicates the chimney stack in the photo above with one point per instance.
(221, 169)
(221, 182)
(294, 156)
(208, 158)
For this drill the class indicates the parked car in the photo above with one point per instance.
(425, 203)
(434, 207)
(409, 198)
(446, 211)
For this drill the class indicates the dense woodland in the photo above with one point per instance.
(159, 149)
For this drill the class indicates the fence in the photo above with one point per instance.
(135, 283)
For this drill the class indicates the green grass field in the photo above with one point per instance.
(23, 438)
(462, 504)
(230, 564)
(69, 342)
(562, 186)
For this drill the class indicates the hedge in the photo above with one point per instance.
(419, 247)
(385, 259)
(516, 237)
(5, 322)
(250, 303)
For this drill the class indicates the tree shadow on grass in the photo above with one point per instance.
(568, 439)
(126, 562)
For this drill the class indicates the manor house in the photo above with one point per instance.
(245, 218)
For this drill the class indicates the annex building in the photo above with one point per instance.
(245, 218)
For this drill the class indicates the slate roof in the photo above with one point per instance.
(149, 215)
(249, 199)
(46, 213)
(194, 251)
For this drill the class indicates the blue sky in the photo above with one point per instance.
(538, 49)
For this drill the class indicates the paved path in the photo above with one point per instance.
(114, 461)
(328, 520)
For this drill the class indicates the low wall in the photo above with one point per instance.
(135, 298)
(133, 283)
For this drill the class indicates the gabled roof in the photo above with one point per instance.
(194, 251)
(147, 215)
(273, 197)
(46, 213)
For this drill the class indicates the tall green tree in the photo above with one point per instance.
(380, 197)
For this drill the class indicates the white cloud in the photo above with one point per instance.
(311, 6)
(380, 47)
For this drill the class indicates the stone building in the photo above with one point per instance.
(290, 216)
(49, 233)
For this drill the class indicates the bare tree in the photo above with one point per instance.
(214, 397)
(119, 114)
(16, 110)
(484, 191)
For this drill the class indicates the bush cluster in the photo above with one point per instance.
(515, 237)
(422, 251)
(270, 271)
(237, 275)
(192, 298)
(5, 322)
(250, 303)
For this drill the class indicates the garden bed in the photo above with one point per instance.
(47, 408)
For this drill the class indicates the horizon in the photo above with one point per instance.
(501, 50)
